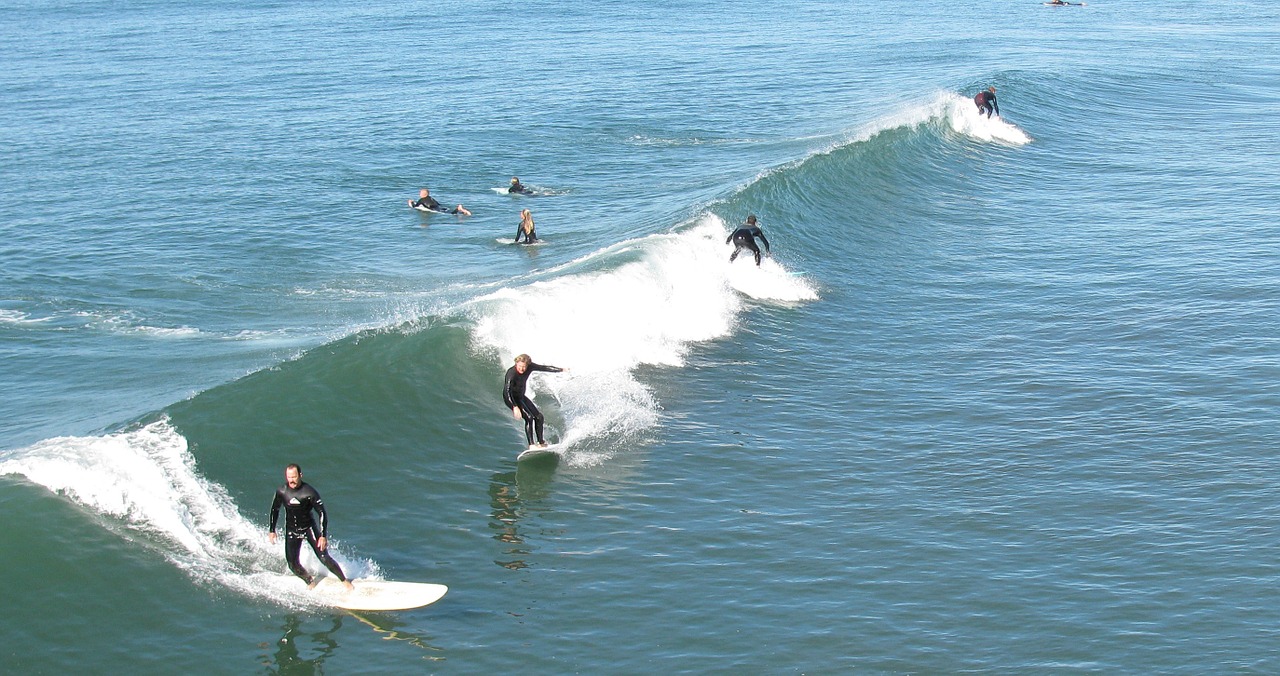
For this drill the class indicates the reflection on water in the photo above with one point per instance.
(385, 625)
(514, 496)
(304, 652)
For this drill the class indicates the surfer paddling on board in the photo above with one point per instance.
(518, 188)
(521, 405)
(426, 201)
(745, 238)
(986, 102)
(525, 229)
(299, 499)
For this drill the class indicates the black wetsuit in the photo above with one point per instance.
(513, 395)
(519, 189)
(529, 237)
(745, 238)
(986, 102)
(298, 526)
(430, 202)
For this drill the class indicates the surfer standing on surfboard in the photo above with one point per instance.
(426, 201)
(299, 499)
(745, 238)
(986, 102)
(521, 405)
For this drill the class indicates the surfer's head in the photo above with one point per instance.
(293, 475)
(522, 363)
(991, 89)
(424, 192)
(515, 180)
(751, 220)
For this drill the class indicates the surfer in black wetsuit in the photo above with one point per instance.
(299, 499)
(426, 201)
(745, 238)
(522, 406)
(518, 188)
(986, 102)
(526, 229)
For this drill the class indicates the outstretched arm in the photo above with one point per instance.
(766, 243)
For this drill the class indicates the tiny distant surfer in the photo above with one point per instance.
(518, 188)
(299, 499)
(520, 404)
(426, 201)
(526, 229)
(986, 102)
(745, 238)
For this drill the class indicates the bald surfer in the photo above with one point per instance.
(513, 394)
(426, 201)
(986, 102)
(299, 499)
(745, 238)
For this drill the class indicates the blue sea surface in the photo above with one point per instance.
(1000, 398)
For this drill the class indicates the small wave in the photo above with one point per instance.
(678, 289)
(146, 484)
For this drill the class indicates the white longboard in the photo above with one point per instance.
(379, 594)
(534, 453)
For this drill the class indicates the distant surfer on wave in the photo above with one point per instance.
(426, 201)
(518, 188)
(986, 102)
(745, 238)
(526, 229)
(520, 404)
(299, 499)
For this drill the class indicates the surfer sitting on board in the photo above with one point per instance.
(987, 102)
(525, 229)
(745, 238)
(299, 499)
(518, 188)
(426, 201)
(521, 406)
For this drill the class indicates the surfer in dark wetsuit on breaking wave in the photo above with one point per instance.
(426, 201)
(745, 238)
(522, 406)
(299, 499)
(986, 102)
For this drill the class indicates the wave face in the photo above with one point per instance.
(610, 316)
(993, 371)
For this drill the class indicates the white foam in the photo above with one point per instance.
(678, 291)
(146, 483)
(964, 118)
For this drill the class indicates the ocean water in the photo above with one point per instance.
(1002, 398)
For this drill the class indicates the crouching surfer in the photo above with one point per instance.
(513, 393)
(745, 238)
(986, 102)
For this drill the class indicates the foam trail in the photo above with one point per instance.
(146, 482)
(678, 291)
(963, 116)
